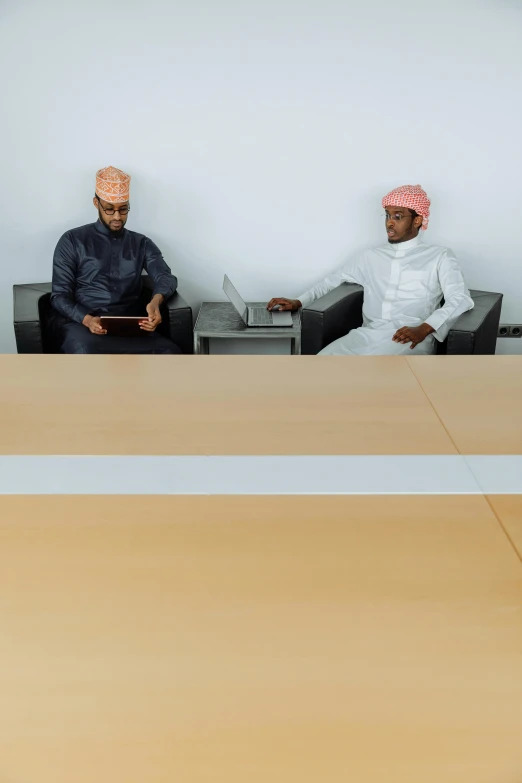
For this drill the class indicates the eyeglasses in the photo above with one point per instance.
(397, 217)
(124, 210)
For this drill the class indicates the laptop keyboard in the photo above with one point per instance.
(261, 316)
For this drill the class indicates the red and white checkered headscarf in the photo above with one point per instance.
(411, 197)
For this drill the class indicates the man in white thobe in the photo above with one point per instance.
(404, 283)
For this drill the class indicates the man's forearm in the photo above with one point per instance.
(66, 306)
(157, 299)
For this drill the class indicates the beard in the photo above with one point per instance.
(107, 224)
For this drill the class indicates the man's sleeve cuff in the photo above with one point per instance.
(438, 324)
(305, 300)
(80, 313)
(435, 321)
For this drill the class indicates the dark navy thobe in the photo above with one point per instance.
(98, 272)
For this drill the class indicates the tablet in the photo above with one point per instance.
(123, 326)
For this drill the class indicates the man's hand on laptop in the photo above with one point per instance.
(153, 311)
(412, 334)
(284, 304)
(93, 324)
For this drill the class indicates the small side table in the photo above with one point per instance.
(220, 319)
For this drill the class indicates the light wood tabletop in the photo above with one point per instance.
(218, 405)
(478, 399)
(508, 509)
(255, 638)
(261, 639)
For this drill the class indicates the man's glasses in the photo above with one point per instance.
(398, 216)
(124, 210)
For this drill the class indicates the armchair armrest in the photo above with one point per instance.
(331, 317)
(475, 332)
(177, 318)
(28, 300)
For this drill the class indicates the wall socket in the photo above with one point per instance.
(510, 330)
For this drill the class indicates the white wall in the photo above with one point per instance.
(261, 135)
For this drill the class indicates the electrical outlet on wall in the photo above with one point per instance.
(510, 330)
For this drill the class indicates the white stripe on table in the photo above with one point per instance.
(260, 475)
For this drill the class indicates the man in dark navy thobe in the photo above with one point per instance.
(97, 271)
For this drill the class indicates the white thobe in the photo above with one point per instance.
(403, 284)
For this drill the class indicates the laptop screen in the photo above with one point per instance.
(234, 297)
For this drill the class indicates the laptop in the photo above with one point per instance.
(256, 316)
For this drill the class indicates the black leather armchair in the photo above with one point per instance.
(32, 303)
(335, 314)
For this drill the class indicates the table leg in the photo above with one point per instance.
(295, 346)
(201, 344)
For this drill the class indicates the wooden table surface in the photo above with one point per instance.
(260, 639)
(215, 405)
(508, 509)
(260, 404)
(478, 399)
(287, 639)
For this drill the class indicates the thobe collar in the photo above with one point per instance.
(102, 228)
(409, 245)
